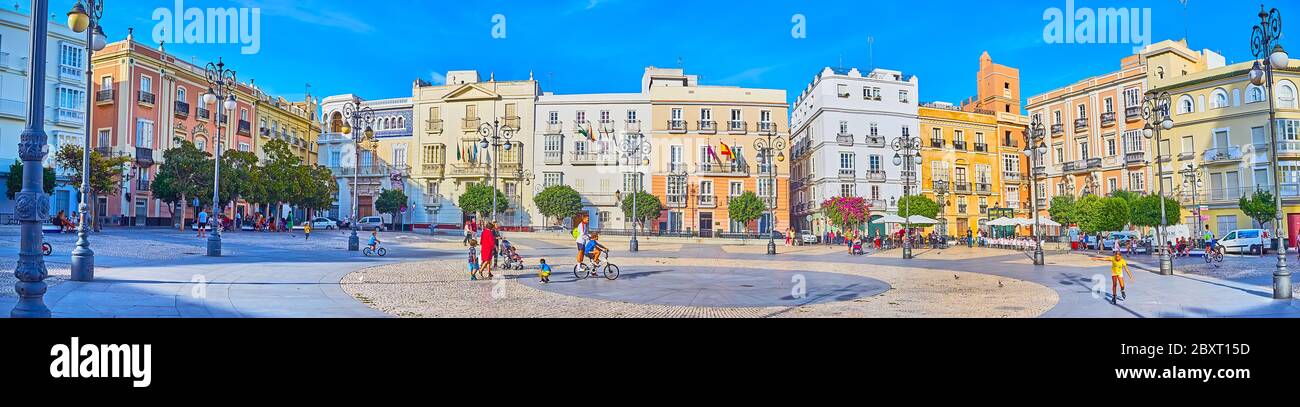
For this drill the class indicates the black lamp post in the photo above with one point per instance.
(1155, 110)
(357, 121)
(496, 136)
(84, 17)
(907, 153)
(31, 204)
(1269, 56)
(1035, 148)
(221, 93)
(635, 150)
(766, 145)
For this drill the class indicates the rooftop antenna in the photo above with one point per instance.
(1185, 29)
(871, 52)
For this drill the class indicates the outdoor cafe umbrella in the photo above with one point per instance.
(921, 220)
(1046, 222)
(1004, 222)
(888, 219)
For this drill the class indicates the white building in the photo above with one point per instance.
(381, 164)
(65, 100)
(597, 169)
(844, 125)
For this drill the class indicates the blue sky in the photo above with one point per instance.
(376, 48)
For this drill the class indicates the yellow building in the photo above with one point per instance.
(293, 123)
(447, 120)
(960, 162)
(1220, 137)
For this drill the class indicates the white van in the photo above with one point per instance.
(1246, 241)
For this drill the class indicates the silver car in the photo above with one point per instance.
(372, 223)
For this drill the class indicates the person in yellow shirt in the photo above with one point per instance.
(1118, 267)
(306, 231)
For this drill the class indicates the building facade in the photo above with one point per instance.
(998, 94)
(703, 152)
(65, 102)
(582, 143)
(378, 164)
(959, 167)
(844, 125)
(450, 118)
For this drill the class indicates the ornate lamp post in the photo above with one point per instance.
(221, 93)
(1192, 181)
(767, 143)
(1269, 56)
(1155, 110)
(941, 194)
(498, 137)
(635, 150)
(907, 153)
(1035, 148)
(32, 205)
(360, 118)
(84, 17)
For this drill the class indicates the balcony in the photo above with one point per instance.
(202, 114)
(582, 158)
(363, 171)
(182, 110)
(69, 116)
(144, 156)
(1081, 124)
(875, 141)
(766, 169)
(677, 168)
(1222, 155)
(708, 126)
(936, 143)
(767, 127)
(981, 147)
(433, 201)
(1132, 113)
(876, 176)
(433, 126)
(434, 170)
(1011, 176)
(848, 173)
(105, 97)
(146, 98)
(470, 125)
(1107, 119)
(552, 157)
(737, 127)
(708, 201)
(7, 61)
(677, 126)
(983, 188)
(1135, 158)
(1290, 149)
(675, 201)
(245, 128)
(878, 204)
(723, 170)
(470, 171)
(143, 185)
(939, 186)
(959, 145)
(961, 187)
(632, 126)
(844, 139)
(1040, 171)
(511, 122)
(1058, 129)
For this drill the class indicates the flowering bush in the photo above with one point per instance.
(846, 212)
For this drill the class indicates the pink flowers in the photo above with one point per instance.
(846, 211)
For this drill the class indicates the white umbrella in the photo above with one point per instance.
(1003, 222)
(889, 218)
(1047, 222)
(921, 220)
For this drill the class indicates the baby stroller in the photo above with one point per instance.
(513, 261)
(857, 248)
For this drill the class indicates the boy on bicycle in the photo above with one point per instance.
(374, 239)
(594, 249)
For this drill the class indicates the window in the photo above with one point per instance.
(736, 188)
(72, 99)
(1254, 94)
(1134, 141)
(1186, 105)
(1132, 97)
(1083, 150)
(1137, 181)
(631, 116)
(1011, 163)
(1286, 95)
(1056, 117)
(604, 116)
(580, 117)
(73, 58)
(181, 96)
(144, 133)
(106, 138)
(765, 188)
(632, 182)
(550, 179)
(874, 162)
(146, 84)
(846, 161)
(201, 143)
(765, 116)
(842, 90)
(1219, 99)
(706, 114)
(844, 127)
(243, 116)
(1109, 105)
(1189, 145)
(399, 155)
(245, 147)
(874, 131)
(903, 97)
(939, 170)
(1111, 148)
(875, 193)
(1257, 136)
(1112, 185)
(848, 190)
(1083, 111)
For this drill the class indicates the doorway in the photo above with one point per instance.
(706, 224)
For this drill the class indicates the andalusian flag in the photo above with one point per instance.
(458, 155)
(727, 151)
(586, 133)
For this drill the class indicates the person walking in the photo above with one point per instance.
(580, 235)
(203, 222)
(469, 232)
(306, 231)
(289, 223)
(489, 245)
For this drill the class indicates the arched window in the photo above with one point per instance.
(1254, 94)
(1286, 95)
(201, 143)
(336, 123)
(1160, 72)
(1219, 99)
(1186, 105)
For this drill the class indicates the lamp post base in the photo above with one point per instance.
(1282, 276)
(83, 264)
(354, 242)
(633, 245)
(214, 245)
(771, 248)
(907, 253)
(1039, 259)
(1166, 264)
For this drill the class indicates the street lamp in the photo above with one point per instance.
(635, 150)
(31, 204)
(221, 94)
(1035, 148)
(941, 194)
(767, 143)
(497, 137)
(84, 17)
(1263, 43)
(356, 116)
(907, 153)
(1192, 180)
(1155, 111)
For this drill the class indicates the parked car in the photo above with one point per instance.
(1246, 241)
(372, 223)
(807, 237)
(319, 223)
(1123, 239)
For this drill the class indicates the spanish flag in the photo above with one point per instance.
(727, 151)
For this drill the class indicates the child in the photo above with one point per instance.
(374, 239)
(473, 259)
(306, 231)
(594, 249)
(545, 272)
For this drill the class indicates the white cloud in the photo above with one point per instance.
(309, 12)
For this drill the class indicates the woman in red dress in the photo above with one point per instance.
(488, 242)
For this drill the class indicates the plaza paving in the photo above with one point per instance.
(163, 273)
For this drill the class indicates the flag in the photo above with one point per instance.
(586, 133)
(727, 151)
(713, 154)
(458, 156)
(474, 155)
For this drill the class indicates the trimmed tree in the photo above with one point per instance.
(745, 208)
(846, 212)
(558, 202)
(1063, 209)
(647, 207)
(15, 180)
(918, 205)
(106, 173)
(1102, 214)
(1146, 211)
(477, 199)
(391, 201)
(319, 190)
(183, 175)
(1259, 206)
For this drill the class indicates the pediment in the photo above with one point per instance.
(469, 92)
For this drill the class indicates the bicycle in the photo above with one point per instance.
(1214, 255)
(379, 250)
(609, 270)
